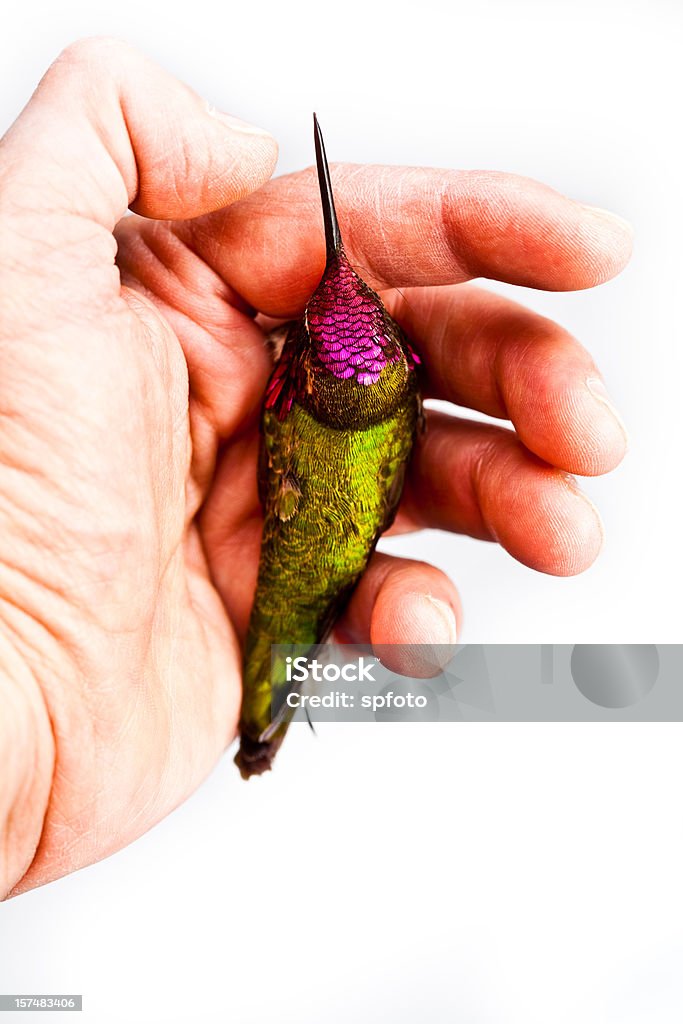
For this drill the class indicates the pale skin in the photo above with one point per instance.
(129, 397)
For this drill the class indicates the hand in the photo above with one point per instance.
(130, 397)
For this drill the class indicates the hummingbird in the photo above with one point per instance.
(339, 418)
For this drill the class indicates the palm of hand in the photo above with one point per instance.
(112, 602)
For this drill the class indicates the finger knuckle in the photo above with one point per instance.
(91, 54)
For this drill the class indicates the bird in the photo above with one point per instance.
(340, 415)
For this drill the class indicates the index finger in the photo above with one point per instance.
(408, 226)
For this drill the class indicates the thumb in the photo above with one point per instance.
(107, 129)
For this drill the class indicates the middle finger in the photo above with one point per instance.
(485, 352)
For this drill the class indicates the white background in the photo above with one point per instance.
(443, 873)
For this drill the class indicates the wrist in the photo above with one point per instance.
(26, 766)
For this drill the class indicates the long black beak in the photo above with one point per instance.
(333, 240)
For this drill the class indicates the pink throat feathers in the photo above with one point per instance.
(347, 328)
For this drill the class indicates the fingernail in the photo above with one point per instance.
(433, 619)
(599, 391)
(236, 123)
(598, 519)
(606, 216)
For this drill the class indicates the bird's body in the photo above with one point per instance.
(338, 425)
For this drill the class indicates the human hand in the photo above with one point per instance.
(130, 398)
